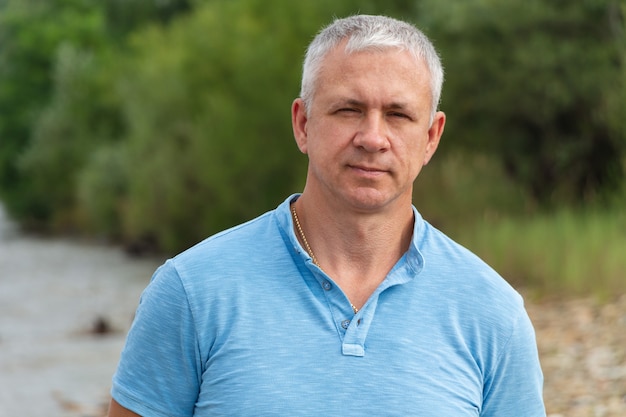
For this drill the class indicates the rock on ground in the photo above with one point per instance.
(582, 347)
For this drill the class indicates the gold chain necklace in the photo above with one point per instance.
(307, 247)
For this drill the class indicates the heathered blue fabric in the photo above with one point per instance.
(244, 324)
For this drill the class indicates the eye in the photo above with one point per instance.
(348, 110)
(397, 114)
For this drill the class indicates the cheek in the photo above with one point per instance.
(413, 158)
(328, 141)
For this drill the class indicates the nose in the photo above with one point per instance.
(372, 135)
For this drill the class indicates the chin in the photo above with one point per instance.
(371, 201)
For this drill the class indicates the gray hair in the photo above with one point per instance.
(366, 32)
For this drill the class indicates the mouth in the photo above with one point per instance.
(368, 171)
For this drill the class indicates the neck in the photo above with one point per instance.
(356, 249)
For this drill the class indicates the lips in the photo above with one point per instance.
(368, 170)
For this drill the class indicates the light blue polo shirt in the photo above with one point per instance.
(244, 324)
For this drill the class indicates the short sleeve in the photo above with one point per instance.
(159, 371)
(514, 387)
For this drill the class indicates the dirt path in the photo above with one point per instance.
(582, 345)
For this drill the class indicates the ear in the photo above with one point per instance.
(434, 135)
(299, 122)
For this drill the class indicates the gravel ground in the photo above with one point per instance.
(582, 346)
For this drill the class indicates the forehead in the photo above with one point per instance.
(388, 73)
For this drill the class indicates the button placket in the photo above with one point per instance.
(352, 328)
(355, 335)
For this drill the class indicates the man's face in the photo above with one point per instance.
(367, 133)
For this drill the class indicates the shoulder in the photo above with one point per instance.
(436, 244)
(230, 261)
(458, 261)
(475, 300)
(259, 227)
(258, 244)
(470, 284)
(230, 247)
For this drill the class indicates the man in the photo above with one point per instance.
(343, 301)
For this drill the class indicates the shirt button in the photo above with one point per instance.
(345, 324)
(326, 285)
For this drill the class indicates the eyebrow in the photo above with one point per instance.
(347, 101)
(358, 103)
(398, 106)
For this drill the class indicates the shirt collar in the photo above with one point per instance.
(413, 257)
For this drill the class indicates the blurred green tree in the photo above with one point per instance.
(30, 33)
(58, 98)
(88, 88)
(207, 103)
(541, 86)
(124, 16)
(83, 113)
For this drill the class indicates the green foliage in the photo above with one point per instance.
(30, 33)
(564, 252)
(58, 98)
(207, 101)
(102, 188)
(201, 90)
(125, 16)
(541, 85)
(458, 189)
(567, 252)
(169, 120)
(67, 131)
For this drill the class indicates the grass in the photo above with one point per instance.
(564, 252)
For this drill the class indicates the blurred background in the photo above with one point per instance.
(132, 129)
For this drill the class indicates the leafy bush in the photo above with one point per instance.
(169, 121)
(102, 188)
(31, 32)
(66, 133)
(207, 104)
(541, 85)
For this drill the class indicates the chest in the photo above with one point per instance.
(273, 364)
